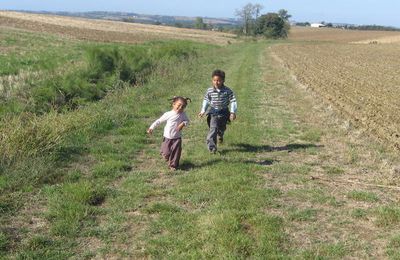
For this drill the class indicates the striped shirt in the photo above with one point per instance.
(219, 99)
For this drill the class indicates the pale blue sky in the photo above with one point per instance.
(380, 12)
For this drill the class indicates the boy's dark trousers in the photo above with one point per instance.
(171, 150)
(217, 126)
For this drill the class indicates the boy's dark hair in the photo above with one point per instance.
(183, 99)
(219, 73)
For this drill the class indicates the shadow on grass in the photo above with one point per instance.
(266, 162)
(70, 153)
(187, 166)
(242, 147)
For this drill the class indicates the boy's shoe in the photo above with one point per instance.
(172, 168)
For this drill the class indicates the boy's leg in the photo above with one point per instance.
(222, 121)
(175, 155)
(212, 132)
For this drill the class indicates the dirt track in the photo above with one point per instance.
(106, 31)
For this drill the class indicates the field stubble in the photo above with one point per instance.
(361, 81)
(342, 201)
(341, 35)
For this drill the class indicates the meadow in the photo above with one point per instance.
(296, 177)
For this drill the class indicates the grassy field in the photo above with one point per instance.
(293, 178)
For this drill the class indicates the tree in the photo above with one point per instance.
(200, 24)
(272, 25)
(284, 14)
(256, 10)
(248, 14)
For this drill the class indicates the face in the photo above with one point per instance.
(217, 81)
(178, 106)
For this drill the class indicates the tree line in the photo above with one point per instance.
(269, 25)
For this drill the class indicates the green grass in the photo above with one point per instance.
(393, 249)
(333, 170)
(4, 243)
(326, 251)
(388, 216)
(35, 52)
(303, 215)
(90, 183)
(363, 196)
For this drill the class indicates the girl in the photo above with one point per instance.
(176, 119)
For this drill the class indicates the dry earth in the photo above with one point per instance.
(107, 31)
(361, 81)
(340, 35)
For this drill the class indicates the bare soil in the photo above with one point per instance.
(361, 81)
(340, 35)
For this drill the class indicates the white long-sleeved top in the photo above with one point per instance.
(173, 119)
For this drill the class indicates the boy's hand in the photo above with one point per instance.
(149, 131)
(232, 116)
(201, 114)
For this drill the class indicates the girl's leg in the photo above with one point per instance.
(165, 148)
(175, 153)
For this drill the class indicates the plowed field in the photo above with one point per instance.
(107, 31)
(340, 35)
(361, 80)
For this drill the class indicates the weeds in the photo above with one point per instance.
(388, 216)
(72, 205)
(363, 196)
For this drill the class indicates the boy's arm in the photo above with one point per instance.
(233, 106)
(205, 104)
(204, 107)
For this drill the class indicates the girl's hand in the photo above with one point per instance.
(180, 126)
(201, 114)
(149, 131)
(232, 116)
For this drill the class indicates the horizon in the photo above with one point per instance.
(357, 12)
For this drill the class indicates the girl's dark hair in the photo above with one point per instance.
(219, 73)
(184, 100)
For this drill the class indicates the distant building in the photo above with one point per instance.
(317, 25)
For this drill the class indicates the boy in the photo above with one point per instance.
(222, 105)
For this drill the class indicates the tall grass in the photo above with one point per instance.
(42, 129)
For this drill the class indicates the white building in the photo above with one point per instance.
(317, 25)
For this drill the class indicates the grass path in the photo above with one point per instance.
(216, 204)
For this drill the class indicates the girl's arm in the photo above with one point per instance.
(184, 123)
(156, 123)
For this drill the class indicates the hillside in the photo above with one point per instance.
(144, 18)
(107, 31)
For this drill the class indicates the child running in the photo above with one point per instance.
(222, 105)
(176, 119)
